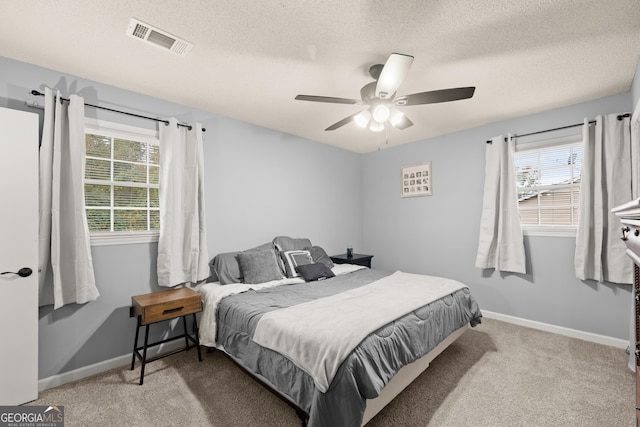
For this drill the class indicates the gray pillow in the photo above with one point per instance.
(319, 255)
(285, 243)
(226, 267)
(213, 277)
(259, 266)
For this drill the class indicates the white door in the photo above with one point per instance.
(18, 251)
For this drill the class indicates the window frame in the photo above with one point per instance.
(547, 230)
(118, 130)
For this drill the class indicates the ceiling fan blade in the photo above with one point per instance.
(329, 99)
(342, 122)
(402, 123)
(393, 74)
(435, 96)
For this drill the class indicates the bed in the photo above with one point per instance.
(336, 342)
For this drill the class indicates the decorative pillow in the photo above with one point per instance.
(286, 243)
(226, 267)
(315, 271)
(292, 259)
(319, 255)
(259, 266)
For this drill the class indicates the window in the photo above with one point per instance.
(121, 183)
(548, 185)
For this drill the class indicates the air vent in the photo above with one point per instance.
(157, 37)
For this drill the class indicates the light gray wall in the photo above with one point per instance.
(259, 184)
(438, 234)
(263, 184)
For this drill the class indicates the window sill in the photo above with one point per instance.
(549, 230)
(124, 238)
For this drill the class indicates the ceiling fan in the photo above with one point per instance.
(380, 97)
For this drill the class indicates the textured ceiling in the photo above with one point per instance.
(252, 57)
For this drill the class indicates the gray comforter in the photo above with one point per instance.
(369, 367)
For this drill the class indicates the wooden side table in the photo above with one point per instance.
(357, 259)
(157, 307)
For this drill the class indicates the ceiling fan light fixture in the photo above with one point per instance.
(378, 98)
(376, 126)
(362, 119)
(381, 113)
(396, 117)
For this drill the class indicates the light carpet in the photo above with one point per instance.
(496, 374)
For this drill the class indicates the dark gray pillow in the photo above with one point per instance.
(315, 271)
(259, 266)
(226, 267)
(319, 255)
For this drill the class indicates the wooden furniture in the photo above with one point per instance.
(157, 307)
(629, 215)
(357, 259)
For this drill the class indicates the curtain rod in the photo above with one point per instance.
(166, 122)
(620, 117)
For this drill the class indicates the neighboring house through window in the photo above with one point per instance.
(548, 184)
(121, 183)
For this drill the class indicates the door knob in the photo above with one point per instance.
(23, 272)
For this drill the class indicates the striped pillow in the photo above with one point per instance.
(292, 259)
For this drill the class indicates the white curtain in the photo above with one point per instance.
(64, 234)
(182, 248)
(605, 184)
(501, 244)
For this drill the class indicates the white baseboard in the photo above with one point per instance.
(97, 368)
(560, 330)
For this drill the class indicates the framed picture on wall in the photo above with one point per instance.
(416, 180)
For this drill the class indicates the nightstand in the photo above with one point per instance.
(357, 259)
(160, 306)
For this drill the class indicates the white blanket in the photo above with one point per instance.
(318, 335)
(213, 292)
